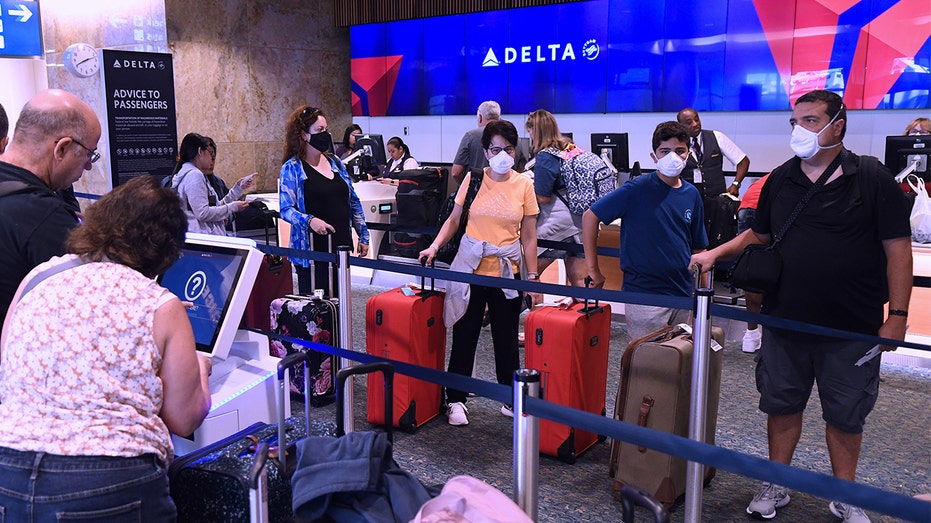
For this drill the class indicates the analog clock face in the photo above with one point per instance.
(81, 60)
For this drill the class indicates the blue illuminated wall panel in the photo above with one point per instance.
(647, 55)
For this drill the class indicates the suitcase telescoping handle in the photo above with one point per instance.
(632, 496)
(586, 309)
(258, 486)
(313, 264)
(387, 371)
(282, 393)
(424, 293)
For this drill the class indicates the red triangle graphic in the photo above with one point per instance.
(377, 76)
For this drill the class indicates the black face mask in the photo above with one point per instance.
(320, 141)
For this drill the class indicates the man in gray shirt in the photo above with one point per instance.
(470, 154)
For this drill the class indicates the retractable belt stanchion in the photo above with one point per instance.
(701, 338)
(343, 281)
(526, 442)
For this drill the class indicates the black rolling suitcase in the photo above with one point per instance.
(214, 484)
(420, 194)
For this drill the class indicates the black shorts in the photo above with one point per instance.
(786, 371)
(562, 254)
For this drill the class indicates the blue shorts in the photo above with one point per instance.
(786, 371)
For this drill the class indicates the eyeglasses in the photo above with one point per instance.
(92, 154)
(919, 132)
(212, 152)
(497, 150)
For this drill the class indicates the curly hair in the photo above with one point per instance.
(139, 224)
(299, 121)
(542, 126)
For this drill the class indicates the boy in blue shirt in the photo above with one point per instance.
(662, 221)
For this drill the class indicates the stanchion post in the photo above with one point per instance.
(526, 442)
(343, 281)
(701, 337)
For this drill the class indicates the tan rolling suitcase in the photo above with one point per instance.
(654, 392)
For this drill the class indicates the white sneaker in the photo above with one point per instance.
(753, 339)
(767, 500)
(507, 410)
(848, 513)
(456, 414)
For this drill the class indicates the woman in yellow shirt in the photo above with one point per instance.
(500, 240)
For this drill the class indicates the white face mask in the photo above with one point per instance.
(804, 143)
(670, 165)
(501, 163)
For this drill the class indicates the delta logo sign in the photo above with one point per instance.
(542, 53)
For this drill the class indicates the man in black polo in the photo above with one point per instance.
(54, 142)
(846, 254)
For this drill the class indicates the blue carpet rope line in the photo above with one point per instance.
(814, 483)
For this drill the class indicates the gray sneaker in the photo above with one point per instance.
(767, 500)
(849, 513)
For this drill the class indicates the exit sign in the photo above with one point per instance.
(20, 30)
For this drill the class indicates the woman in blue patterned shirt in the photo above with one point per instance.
(316, 196)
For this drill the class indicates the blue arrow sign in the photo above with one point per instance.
(20, 29)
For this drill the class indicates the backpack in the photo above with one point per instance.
(586, 178)
(448, 251)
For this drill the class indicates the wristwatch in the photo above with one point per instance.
(735, 183)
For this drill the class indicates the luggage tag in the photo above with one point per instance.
(715, 346)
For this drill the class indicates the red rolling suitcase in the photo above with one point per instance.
(404, 325)
(568, 344)
(273, 281)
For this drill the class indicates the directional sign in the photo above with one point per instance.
(20, 30)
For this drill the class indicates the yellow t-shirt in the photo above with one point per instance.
(496, 213)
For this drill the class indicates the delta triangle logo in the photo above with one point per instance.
(490, 59)
(116, 64)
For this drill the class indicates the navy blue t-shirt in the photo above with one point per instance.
(660, 228)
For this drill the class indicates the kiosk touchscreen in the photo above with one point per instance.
(215, 274)
(908, 155)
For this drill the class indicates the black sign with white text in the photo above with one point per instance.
(140, 94)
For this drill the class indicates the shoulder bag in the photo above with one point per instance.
(758, 268)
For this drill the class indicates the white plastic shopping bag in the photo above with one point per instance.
(921, 212)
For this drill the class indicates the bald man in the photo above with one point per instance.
(54, 142)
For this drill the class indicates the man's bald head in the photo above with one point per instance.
(52, 114)
(54, 138)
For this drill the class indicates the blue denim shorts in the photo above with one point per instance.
(35, 487)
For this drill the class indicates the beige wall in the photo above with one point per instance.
(241, 67)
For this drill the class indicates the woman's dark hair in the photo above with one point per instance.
(349, 130)
(299, 121)
(502, 128)
(190, 145)
(139, 224)
(398, 143)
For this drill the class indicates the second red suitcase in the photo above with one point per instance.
(569, 346)
(273, 281)
(408, 328)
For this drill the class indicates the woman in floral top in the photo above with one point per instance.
(98, 366)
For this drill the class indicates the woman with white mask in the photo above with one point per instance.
(500, 240)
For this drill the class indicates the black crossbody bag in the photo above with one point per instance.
(759, 267)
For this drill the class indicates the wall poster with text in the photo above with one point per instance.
(143, 130)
